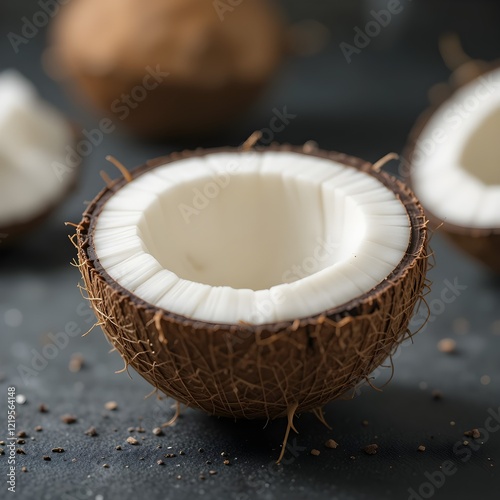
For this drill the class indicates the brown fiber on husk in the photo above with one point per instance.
(482, 244)
(248, 371)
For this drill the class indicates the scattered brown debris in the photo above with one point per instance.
(365, 423)
(20, 451)
(38, 428)
(447, 346)
(106, 466)
(43, 409)
(224, 454)
(24, 469)
(21, 441)
(226, 462)
(2, 452)
(453, 423)
(157, 431)
(22, 434)
(315, 452)
(68, 419)
(331, 443)
(160, 462)
(118, 448)
(111, 405)
(46, 458)
(371, 449)
(76, 363)
(140, 430)
(212, 472)
(170, 455)
(57, 450)
(437, 395)
(182, 452)
(421, 448)
(474, 433)
(132, 440)
(91, 431)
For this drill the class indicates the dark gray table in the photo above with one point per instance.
(365, 108)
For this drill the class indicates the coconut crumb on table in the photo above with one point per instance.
(331, 443)
(448, 346)
(473, 433)
(69, 419)
(371, 449)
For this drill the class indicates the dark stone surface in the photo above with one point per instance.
(365, 108)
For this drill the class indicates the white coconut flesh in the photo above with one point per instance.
(255, 237)
(33, 137)
(456, 162)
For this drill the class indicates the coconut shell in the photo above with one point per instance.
(248, 371)
(483, 244)
(216, 68)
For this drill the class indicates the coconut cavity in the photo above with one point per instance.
(481, 154)
(33, 138)
(455, 164)
(255, 237)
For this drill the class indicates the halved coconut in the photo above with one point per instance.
(254, 283)
(33, 141)
(454, 167)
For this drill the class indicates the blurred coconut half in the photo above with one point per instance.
(454, 160)
(33, 141)
(167, 68)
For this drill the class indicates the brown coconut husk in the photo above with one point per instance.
(217, 68)
(266, 371)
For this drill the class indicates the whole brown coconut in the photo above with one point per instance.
(167, 68)
(240, 369)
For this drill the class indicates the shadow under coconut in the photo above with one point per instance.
(398, 420)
